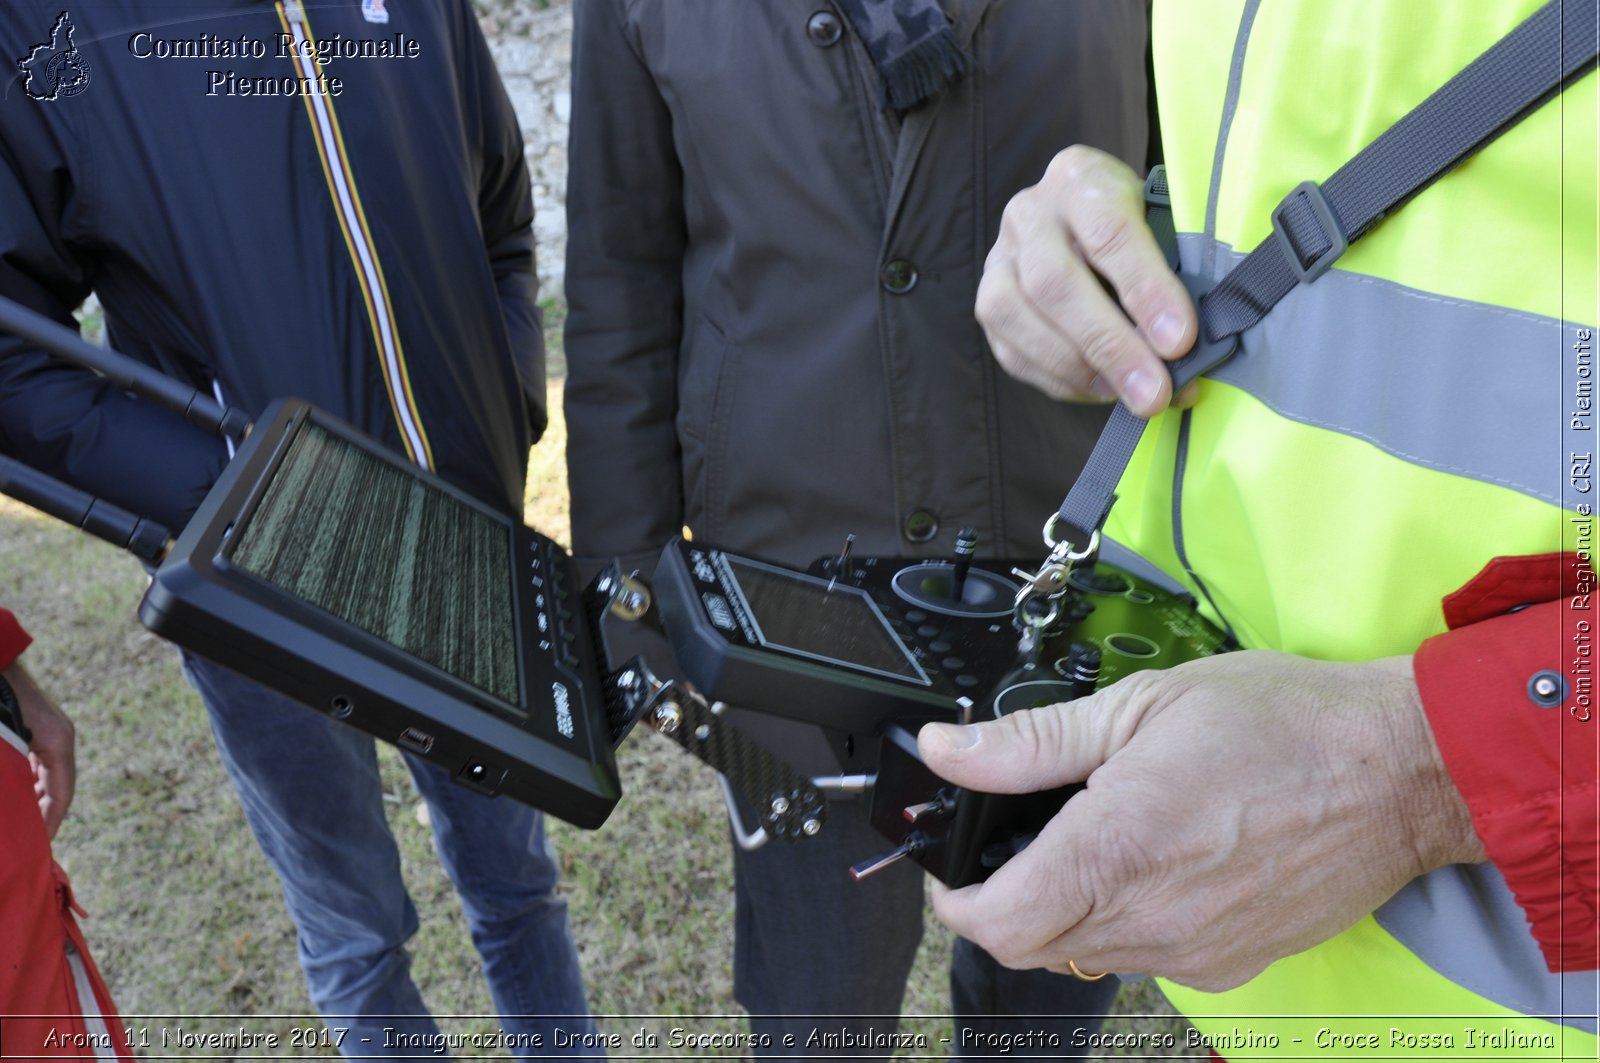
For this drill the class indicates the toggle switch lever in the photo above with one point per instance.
(841, 567)
(943, 806)
(913, 845)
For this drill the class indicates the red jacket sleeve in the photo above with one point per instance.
(13, 640)
(1510, 695)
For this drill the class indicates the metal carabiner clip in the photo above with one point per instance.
(1061, 550)
(1050, 581)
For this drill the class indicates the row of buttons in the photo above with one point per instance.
(916, 625)
(933, 639)
(550, 597)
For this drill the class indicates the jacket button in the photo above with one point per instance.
(899, 277)
(921, 526)
(1547, 689)
(824, 29)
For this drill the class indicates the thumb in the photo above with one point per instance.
(1035, 749)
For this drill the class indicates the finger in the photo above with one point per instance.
(1067, 294)
(1107, 218)
(1056, 372)
(1088, 330)
(50, 810)
(1022, 752)
(1094, 201)
(1020, 928)
(1029, 913)
(52, 788)
(61, 791)
(1024, 340)
(1025, 343)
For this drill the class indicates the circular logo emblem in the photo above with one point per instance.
(67, 74)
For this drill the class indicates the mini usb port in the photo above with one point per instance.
(416, 740)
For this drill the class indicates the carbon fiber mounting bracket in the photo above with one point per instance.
(790, 806)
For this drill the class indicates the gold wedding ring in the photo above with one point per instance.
(1078, 972)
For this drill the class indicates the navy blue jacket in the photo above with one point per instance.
(207, 222)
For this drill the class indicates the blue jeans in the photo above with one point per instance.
(311, 793)
(815, 950)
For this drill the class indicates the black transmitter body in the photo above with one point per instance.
(878, 646)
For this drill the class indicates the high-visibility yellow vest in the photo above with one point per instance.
(1383, 433)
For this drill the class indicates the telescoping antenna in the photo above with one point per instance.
(57, 340)
(140, 536)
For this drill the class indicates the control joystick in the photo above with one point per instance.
(955, 587)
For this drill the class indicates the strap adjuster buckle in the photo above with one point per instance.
(1311, 193)
(1156, 193)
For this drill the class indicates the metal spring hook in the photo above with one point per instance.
(1049, 583)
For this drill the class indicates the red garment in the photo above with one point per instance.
(42, 952)
(13, 640)
(41, 1016)
(1530, 772)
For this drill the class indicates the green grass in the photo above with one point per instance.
(186, 918)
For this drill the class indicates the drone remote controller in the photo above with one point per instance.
(881, 645)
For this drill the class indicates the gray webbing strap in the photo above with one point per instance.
(1314, 225)
(1158, 214)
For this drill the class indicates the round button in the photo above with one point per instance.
(928, 631)
(916, 616)
(899, 277)
(921, 526)
(965, 680)
(954, 664)
(824, 29)
(1547, 689)
(1129, 645)
(940, 646)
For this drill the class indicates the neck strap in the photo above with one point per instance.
(1314, 224)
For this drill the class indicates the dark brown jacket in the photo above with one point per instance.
(771, 336)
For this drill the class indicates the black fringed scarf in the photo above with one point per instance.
(912, 45)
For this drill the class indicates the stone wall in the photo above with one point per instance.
(532, 44)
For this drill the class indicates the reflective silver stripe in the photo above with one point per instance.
(216, 392)
(1316, 359)
(1230, 103)
(94, 1024)
(366, 255)
(1397, 367)
(1464, 923)
(14, 740)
